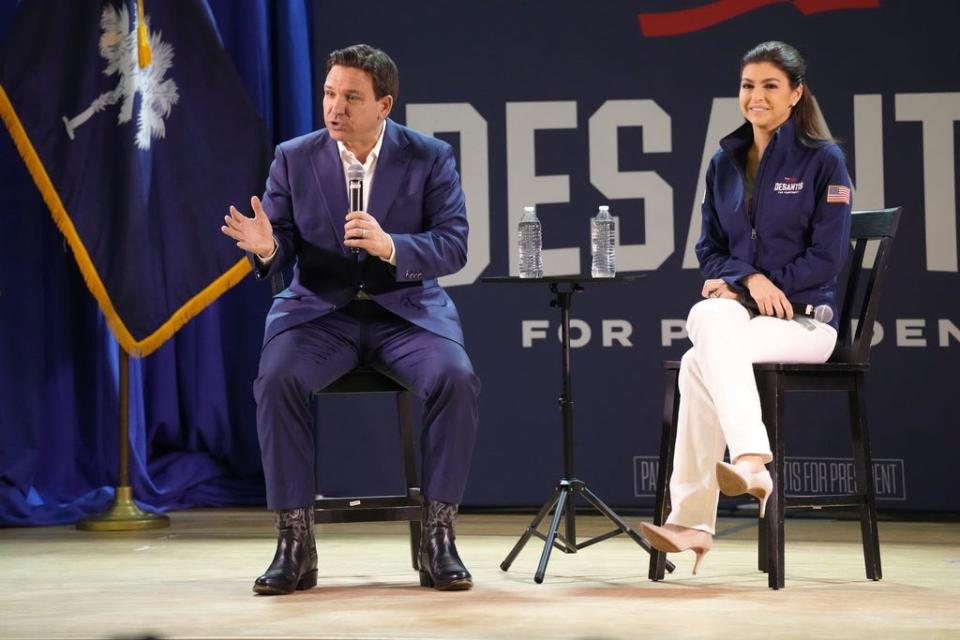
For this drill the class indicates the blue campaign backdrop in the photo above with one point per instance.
(565, 105)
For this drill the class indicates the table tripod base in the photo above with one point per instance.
(563, 503)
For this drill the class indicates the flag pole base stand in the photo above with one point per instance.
(124, 515)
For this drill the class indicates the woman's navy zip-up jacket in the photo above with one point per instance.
(789, 232)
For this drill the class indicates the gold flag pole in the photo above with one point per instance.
(124, 514)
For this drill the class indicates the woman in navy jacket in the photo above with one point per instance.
(776, 228)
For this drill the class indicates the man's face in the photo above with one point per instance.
(351, 112)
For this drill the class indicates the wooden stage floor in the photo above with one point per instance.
(194, 581)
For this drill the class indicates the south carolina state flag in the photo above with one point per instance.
(138, 133)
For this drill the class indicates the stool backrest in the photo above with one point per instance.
(861, 293)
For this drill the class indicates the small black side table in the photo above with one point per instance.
(562, 501)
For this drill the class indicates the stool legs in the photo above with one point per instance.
(671, 408)
(865, 490)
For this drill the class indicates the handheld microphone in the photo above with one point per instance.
(355, 189)
(820, 313)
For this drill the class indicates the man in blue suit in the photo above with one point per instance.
(364, 291)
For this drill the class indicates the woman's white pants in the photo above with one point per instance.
(719, 401)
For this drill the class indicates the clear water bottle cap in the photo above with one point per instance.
(528, 209)
(604, 207)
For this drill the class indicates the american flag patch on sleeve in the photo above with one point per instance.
(838, 194)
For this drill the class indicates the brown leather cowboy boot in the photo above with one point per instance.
(294, 566)
(440, 564)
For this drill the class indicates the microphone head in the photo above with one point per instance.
(823, 313)
(355, 172)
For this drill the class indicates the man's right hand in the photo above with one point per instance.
(252, 234)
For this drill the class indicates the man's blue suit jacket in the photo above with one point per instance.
(415, 196)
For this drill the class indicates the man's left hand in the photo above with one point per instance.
(362, 231)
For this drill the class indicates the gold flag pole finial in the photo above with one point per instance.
(144, 53)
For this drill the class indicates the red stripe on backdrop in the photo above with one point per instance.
(672, 23)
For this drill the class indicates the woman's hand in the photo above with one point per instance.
(770, 300)
(717, 288)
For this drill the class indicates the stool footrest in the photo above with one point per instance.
(816, 502)
(368, 509)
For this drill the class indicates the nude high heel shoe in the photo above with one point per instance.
(737, 480)
(675, 539)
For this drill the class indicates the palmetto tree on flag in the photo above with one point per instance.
(118, 46)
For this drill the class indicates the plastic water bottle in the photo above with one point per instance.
(603, 244)
(530, 242)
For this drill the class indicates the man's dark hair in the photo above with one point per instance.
(382, 69)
